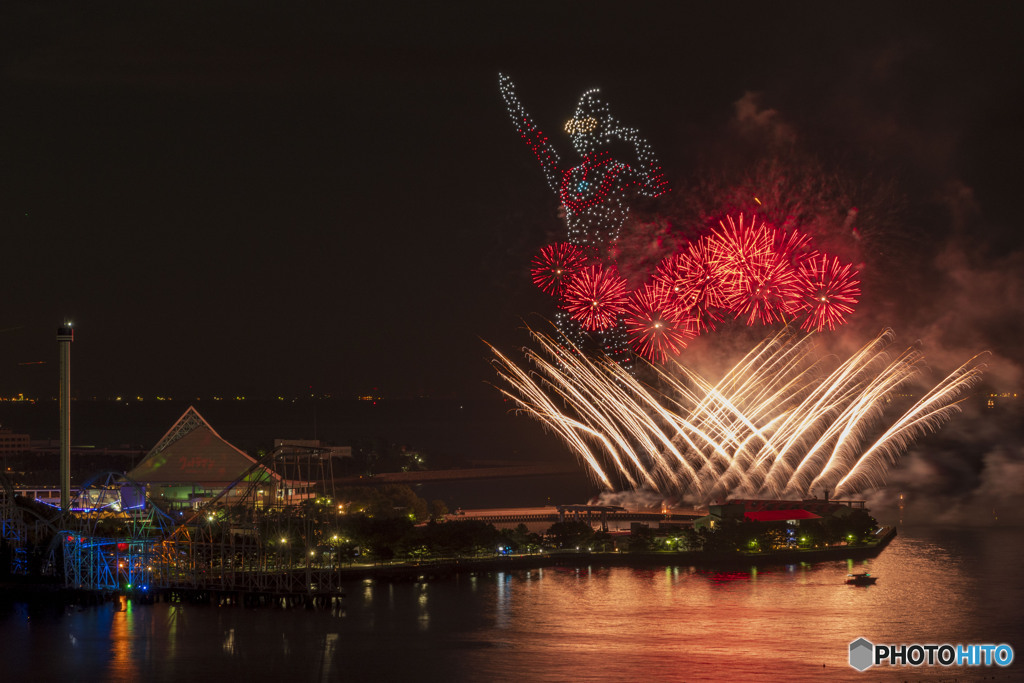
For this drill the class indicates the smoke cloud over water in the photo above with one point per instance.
(631, 500)
(976, 302)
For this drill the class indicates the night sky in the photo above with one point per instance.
(258, 198)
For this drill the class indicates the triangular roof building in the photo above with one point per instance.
(192, 454)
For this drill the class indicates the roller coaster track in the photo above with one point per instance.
(25, 531)
(223, 546)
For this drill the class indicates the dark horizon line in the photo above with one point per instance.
(215, 398)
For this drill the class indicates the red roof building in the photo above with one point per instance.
(779, 515)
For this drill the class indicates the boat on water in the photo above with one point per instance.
(861, 579)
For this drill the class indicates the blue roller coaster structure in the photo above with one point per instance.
(115, 538)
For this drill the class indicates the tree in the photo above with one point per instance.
(729, 536)
(377, 536)
(861, 526)
(772, 537)
(456, 538)
(392, 500)
(569, 534)
(438, 509)
(641, 540)
(521, 539)
(693, 539)
(405, 501)
(602, 541)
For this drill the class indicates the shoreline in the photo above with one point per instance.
(23, 587)
(699, 559)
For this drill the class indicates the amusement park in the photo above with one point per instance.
(198, 519)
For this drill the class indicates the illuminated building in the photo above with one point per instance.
(193, 463)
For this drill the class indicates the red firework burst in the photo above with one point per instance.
(736, 246)
(595, 297)
(767, 289)
(760, 281)
(695, 282)
(555, 264)
(829, 290)
(656, 326)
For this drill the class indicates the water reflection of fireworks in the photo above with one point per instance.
(780, 423)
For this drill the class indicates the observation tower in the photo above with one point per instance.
(65, 335)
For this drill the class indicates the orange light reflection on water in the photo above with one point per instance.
(124, 658)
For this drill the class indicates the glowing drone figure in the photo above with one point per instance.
(596, 193)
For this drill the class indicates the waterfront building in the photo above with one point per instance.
(771, 510)
(13, 444)
(192, 463)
